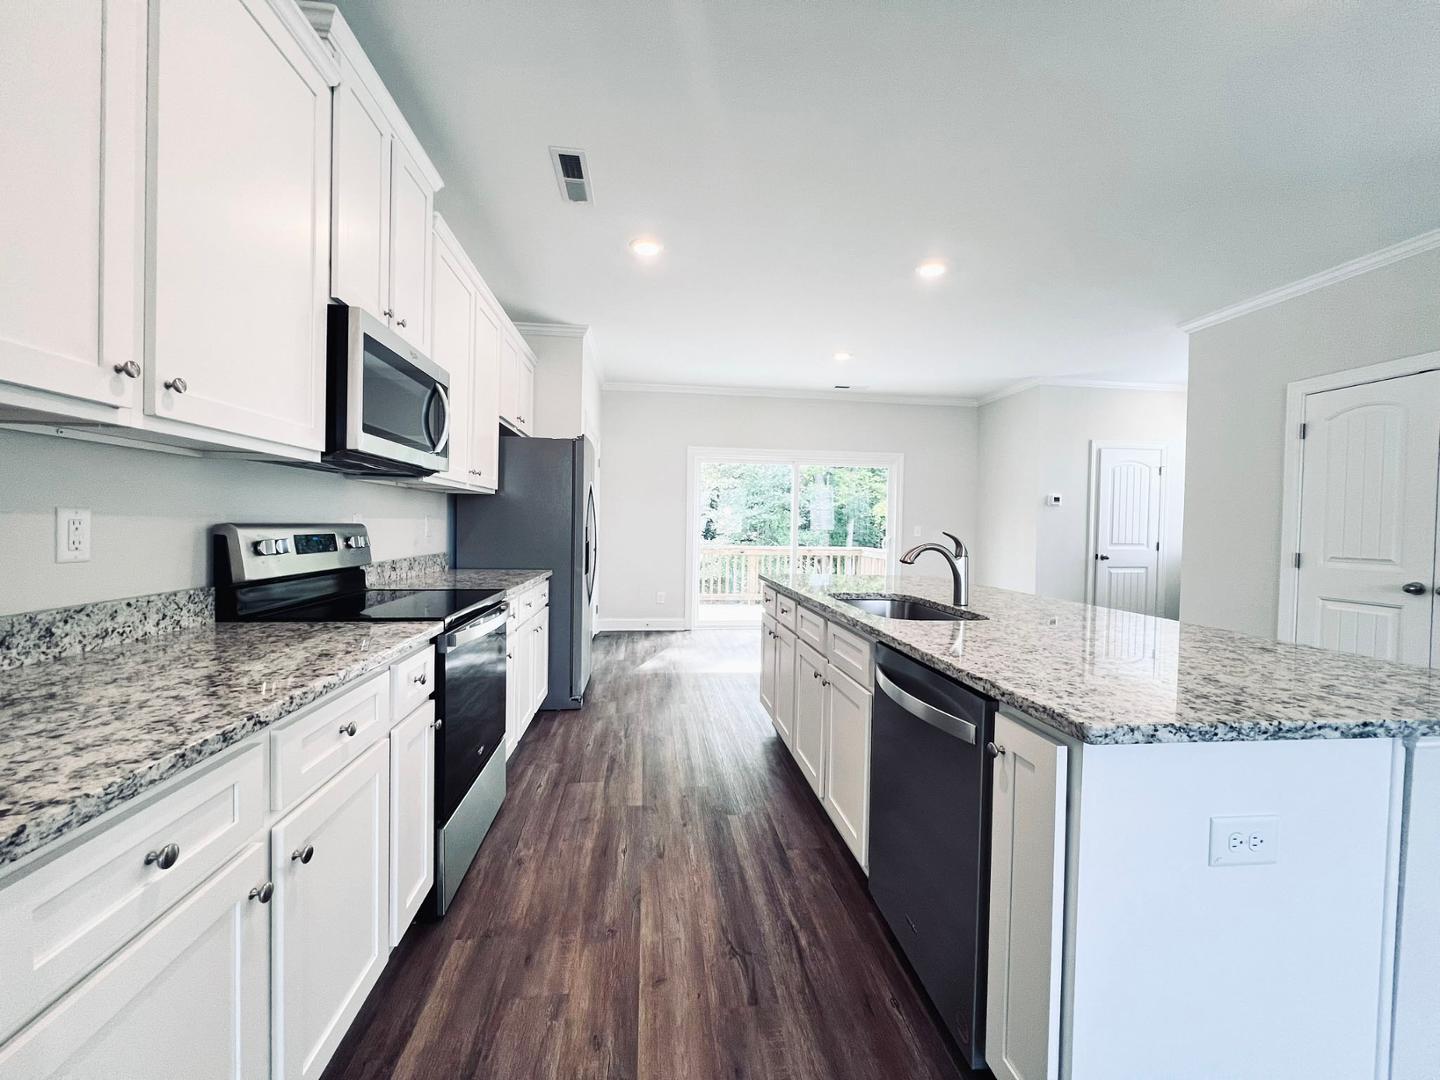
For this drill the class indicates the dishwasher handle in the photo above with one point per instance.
(937, 718)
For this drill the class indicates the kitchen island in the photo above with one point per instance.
(1126, 938)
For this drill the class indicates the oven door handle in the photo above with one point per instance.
(474, 631)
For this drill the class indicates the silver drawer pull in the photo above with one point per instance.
(263, 893)
(994, 749)
(304, 854)
(164, 858)
(348, 729)
(422, 678)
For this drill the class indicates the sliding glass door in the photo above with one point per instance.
(771, 512)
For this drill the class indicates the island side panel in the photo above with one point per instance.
(1417, 975)
(1269, 971)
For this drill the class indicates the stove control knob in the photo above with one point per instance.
(264, 547)
(282, 546)
(355, 542)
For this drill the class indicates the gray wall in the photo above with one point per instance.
(647, 436)
(1238, 375)
(150, 513)
(1037, 443)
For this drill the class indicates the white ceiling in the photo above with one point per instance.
(1095, 173)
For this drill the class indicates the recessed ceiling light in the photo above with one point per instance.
(931, 268)
(843, 356)
(646, 247)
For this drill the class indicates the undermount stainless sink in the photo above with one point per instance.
(911, 610)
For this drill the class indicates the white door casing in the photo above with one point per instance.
(1367, 519)
(1126, 516)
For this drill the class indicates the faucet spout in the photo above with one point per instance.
(959, 563)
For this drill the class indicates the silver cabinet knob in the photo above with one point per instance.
(304, 854)
(348, 729)
(400, 322)
(509, 656)
(164, 858)
(994, 749)
(422, 678)
(388, 313)
(129, 367)
(177, 384)
(263, 893)
(1415, 588)
(438, 723)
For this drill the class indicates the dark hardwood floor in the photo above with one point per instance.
(661, 898)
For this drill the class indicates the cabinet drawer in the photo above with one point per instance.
(785, 610)
(529, 602)
(59, 922)
(850, 653)
(308, 751)
(767, 597)
(412, 680)
(810, 627)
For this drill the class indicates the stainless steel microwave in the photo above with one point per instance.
(389, 405)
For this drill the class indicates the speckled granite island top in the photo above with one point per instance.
(1107, 676)
(82, 734)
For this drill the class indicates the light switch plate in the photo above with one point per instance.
(1244, 841)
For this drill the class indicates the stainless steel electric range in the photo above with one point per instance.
(316, 573)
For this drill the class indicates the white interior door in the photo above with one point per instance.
(1126, 564)
(1367, 518)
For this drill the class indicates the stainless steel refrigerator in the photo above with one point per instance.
(542, 518)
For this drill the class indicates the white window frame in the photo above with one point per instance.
(1296, 393)
(796, 459)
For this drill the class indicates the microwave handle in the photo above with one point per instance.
(444, 438)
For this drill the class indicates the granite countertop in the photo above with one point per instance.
(1106, 676)
(82, 734)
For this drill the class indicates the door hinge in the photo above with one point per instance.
(1297, 560)
(1304, 428)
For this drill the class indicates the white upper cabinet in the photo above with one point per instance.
(517, 382)
(412, 208)
(238, 272)
(485, 398)
(71, 219)
(453, 328)
(360, 207)
(384, 194)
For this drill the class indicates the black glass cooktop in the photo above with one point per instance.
(389, 605)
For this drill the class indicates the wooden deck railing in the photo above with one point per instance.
(730, 574)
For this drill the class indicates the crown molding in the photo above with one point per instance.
(935, 400)
(541, 329)
(1085, 384)
(1416, 245)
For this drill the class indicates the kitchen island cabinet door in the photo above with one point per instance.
(412, 817)
(847, 760)
(784, 715)
(330, 865)
(1027, 902)
(189, 997)
(767, 667)
(809, 733)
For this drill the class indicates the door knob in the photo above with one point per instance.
(1101, 558)
(1415, 588)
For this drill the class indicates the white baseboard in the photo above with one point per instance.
(604, 625)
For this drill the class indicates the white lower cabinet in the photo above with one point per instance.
(808, 735)
(189, 997)
(1027, 901)
(540, 661)
(527, 663)
(784, 714)
(412, 816)
(330, 865)
(847, 760)
(768, 673)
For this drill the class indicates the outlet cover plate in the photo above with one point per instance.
(72, 535)
(1244, 841)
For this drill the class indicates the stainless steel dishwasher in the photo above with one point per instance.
(930, 785)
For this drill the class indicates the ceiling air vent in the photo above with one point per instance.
(573, 173)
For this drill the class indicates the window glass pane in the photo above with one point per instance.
(842, 527)
(743, 518)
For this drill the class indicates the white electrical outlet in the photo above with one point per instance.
(659, 598)
(72, 535)
(1239, 841)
